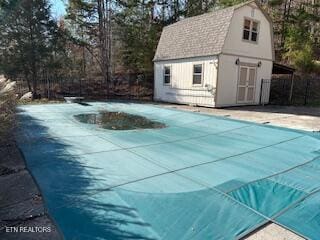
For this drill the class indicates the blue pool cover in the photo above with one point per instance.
(201, 177)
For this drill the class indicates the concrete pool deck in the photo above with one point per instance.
(43, 126)
(295, 117)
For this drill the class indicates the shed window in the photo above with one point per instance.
(250, 30)
(167, 75)
(197, 74)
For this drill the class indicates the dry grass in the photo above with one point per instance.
(7, 112)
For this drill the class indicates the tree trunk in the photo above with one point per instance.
(26, 75)
(102, 40)
(34, 81)
(108, 44)
(104, 14)
(283, 27)
(176, 10)
(33, 58)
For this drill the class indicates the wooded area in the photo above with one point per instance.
(102, 39)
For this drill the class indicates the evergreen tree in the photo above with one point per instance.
(138, 31)
(299, 45)
(194, 7)
(140, 24)
(26, 38)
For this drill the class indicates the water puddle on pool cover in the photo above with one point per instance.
(118, 121)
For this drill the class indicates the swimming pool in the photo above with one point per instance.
(201, 177)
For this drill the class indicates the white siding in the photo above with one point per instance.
(224, 79)
(234, 43)
(228, 79)
(247, 52)
(181, 89)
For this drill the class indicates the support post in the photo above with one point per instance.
(48, 85)
(261, 89)
(307, 92)
(291, 88)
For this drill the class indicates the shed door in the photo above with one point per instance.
(246, 84)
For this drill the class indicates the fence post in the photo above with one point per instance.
(291, 88)
(48, 86)
(261, 88)
(306, 92)
(80, 87)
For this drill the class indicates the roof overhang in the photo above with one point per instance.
(184, 58)
(282, 69)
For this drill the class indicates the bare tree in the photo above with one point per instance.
(104, 17)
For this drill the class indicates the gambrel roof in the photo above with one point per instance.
(198, 36)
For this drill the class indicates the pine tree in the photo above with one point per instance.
(299, 44)
(194, 7)
(138, 31)
(26, 36)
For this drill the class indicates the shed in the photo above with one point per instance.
(216, 59)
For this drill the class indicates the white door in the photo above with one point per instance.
(246, 84)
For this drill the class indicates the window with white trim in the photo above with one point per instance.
(197, 74)
(250, 30)
(167, 75)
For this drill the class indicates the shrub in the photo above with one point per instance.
(7, 109)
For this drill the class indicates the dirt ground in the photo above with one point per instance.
(295, 117)
(21, 204)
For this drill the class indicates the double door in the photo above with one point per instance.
(246, 84)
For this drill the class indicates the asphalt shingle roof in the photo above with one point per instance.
(197, 36)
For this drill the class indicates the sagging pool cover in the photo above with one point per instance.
(201, 177)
